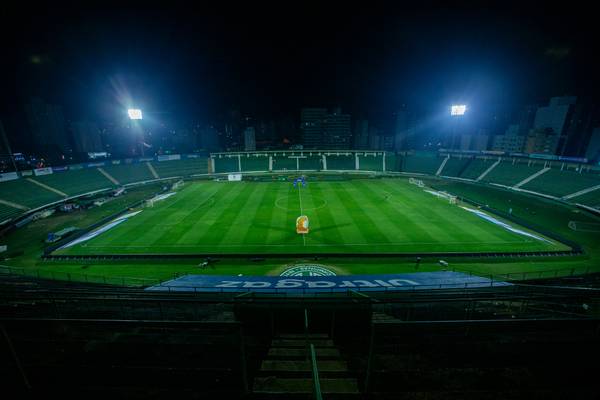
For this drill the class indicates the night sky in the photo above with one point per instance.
(197, 63)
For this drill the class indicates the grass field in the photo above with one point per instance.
(353, 216)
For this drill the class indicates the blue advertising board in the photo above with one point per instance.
(304, 284)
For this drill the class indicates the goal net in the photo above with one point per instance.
(580, 226)
(148, 203)
(417, 182)
(177, 185)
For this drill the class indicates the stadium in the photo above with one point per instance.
(306, 202)
(483, 237)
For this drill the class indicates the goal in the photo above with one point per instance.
(417, 182)
(177, 185)
(148, 203)
(580, 226)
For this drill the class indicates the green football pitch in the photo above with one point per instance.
(351, 216)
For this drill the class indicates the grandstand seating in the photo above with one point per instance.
(76, 182)
(27, 194)
(128, 173)
(454, 166)
(341, 162)
(561, 183)
(7, 212)
(226, 164)
(421, 162)
(591, 199)
(185, 167)
(477, 167)
(253, 163)
(283, 162)
(311, 163)
(370, 163)
(509, 174)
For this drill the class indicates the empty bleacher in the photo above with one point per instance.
(477, 167)
(341, 162)
(370, 163)
(254, 163)
(76, 182)
(183, 168)
(510, 173)
(26, 193)
(129, 173)
(561, 183)
(7, 212)
(590, 199)
(454, 166)
(422, 162)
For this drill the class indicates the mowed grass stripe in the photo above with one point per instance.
(144, 221)
(241, 224)
(196, 211)
(219, 218)
(325, 227)
(445, 220)
(262, 221)
(367, 226)
(406, 228)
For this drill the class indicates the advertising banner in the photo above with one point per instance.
(234, 177)
(169, 157)
(42, 171)
(8, 176)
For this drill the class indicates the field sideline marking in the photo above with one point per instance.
(313, 245)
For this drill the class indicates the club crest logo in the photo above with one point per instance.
(307, 270)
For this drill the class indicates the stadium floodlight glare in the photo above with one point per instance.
(134, 113)
(458, 109)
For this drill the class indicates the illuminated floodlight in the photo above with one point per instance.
(458, 109)
(134, 113)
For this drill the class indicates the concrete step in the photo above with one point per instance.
(291, 385)
(276, 366)
(287, 352)
(301, 342)
(302, 336)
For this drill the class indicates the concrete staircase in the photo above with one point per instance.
(286, 371)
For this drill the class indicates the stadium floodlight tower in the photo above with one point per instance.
(458, 109)
(134, 113)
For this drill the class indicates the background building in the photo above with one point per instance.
(512, 141)
(48, 128)
(250, 139)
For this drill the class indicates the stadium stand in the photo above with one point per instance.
(311, 163)
(590, 199)
(370, 163)
(476, 167)
(422, 162)
(455, 165)
(26, 193)
(561, 183)
(185, 167)
(7, 212)
(226, 164)
(341, 162)
(128, 173)
(511, 172)
(254, 163)
(76, 182)
(283, 162)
